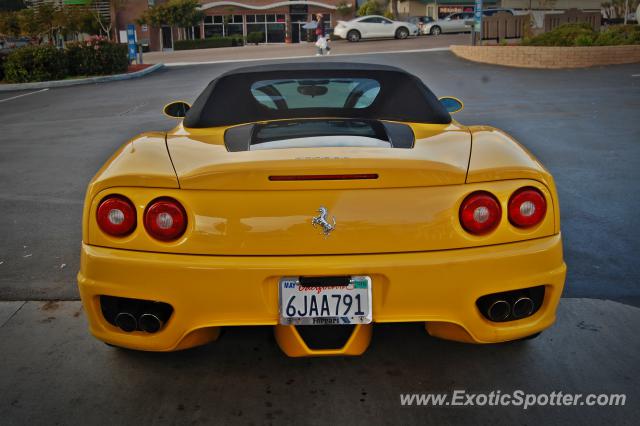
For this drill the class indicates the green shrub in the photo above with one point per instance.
(370, 7)
(97, 57)
(35, 63)
(3, 58)
(584, 40)
(113, 58)
(255, 37)
(208, 43)
(564, 35)
(583, 35)
(618, 35)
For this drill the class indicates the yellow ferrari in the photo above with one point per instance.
(319, 199)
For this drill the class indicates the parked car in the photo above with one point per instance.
(374, 26)
(11, 43)
(454, 23)
(319, 199)
(457, 22)
(491, 12)
(420, 22)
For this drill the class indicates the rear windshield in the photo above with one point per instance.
(287, 94)
(290, 129)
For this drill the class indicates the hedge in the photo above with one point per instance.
(46, 62)
(3, 58)
(207, 43)
(583, 35)
(35, 63)
(97, 58)
(255, 37)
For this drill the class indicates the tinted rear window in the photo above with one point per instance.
(287, 94)
(290, 129)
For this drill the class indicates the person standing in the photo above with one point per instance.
(322, 42)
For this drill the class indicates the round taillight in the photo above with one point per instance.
(480, 213)
(165, 219)
(527, 207)
(116, 216)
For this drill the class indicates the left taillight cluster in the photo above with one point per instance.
(480, 212)
(164, 219)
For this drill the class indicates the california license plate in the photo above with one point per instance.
(322, 301)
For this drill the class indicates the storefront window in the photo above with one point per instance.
(275, 33)
(233, 29)
(256, 28)
(219, 25)
(214, 30)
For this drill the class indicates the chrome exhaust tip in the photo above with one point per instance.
(499, 310)
(126, 322)
(150, 323)
(523, 307)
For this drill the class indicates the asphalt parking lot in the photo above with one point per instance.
(582, 124)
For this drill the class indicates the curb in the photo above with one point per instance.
(79, 81)
(550, 57)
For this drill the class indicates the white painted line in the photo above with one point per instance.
(24, 94)
(635, 75)
(227, 61)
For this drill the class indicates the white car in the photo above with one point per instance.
(374, 26)
(454, 23)
(459, 22)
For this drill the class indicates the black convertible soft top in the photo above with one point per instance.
(228, 100)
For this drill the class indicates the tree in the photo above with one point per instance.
(344, 9)
(9, 23)
(394, 8)
(370, 7)
(175, 13)
(618, 8)
(48, 20)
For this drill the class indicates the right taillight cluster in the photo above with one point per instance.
(164, 219)
(480, 212)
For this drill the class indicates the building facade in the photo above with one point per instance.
(441, 8)
(279, 21)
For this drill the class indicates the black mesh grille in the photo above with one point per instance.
(325, 336)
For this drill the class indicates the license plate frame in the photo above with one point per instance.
(359, 285)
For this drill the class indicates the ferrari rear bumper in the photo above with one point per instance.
(206, 292)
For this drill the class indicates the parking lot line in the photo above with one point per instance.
(24, 94)
(225, 61)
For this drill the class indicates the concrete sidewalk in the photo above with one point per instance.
(276, 51)
(54, 372)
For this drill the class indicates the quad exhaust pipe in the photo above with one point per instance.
(131, 315)
(126, 322)
(150, 323)
(511, 305)
(523, 307)
(499, 310)
(147, 322)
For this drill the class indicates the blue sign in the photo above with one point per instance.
(477, 16)
(131, 41)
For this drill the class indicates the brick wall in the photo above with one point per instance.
(549, 57)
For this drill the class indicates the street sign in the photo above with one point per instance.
(131, 41)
